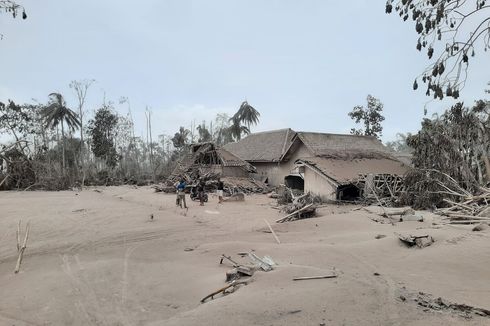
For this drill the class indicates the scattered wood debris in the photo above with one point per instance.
(420, 241)
(472, 209)
(428, 302)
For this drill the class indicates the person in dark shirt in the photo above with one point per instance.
(200, 191)
(219, 192)
(181, 193)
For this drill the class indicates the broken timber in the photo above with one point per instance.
(314, 277)
(222, 290)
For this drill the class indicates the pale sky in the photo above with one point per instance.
(302, 64)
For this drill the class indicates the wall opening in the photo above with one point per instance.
(294, 182)
(348, 192)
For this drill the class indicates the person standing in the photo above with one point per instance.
(181, 193)
(220, 191)
(200, 191)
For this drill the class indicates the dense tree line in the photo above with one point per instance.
(55, 147)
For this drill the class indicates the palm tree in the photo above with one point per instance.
(237, 129)
(56, 112)
(248, 114)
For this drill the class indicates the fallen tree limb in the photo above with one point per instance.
(223, 289)
(22, 249)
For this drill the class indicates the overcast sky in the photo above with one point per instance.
(302, 64)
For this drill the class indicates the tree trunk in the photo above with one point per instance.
(64, 142)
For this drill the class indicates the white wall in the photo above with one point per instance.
(318, 185)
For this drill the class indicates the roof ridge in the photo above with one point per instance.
(334, 134)
(270, 131)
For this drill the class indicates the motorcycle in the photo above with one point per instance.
(195, 195)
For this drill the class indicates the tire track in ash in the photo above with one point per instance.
(113, 240)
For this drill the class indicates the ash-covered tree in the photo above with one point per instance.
(400, 144)
(13, 8)
(204, 133)
(450, 156)
(57, 113)
(17, 120)
(247, 114)
(181, 138)
(102, 130)
(370, 116)
(451, 32)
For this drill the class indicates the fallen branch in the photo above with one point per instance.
(22, 249)
(272, 231)
(223, 289)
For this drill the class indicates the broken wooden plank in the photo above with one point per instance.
(272, 231)
(245, 270)
(314, 277)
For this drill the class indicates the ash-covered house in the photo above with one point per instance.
(332, 166)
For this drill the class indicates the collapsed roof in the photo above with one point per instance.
(204, 155)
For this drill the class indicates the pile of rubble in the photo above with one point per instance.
(296, 207)
(471, 209)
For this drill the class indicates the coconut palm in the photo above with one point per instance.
(248, 114)
(56, 112)
(237, 129)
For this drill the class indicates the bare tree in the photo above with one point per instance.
(81, 88)
(13, 8)
(455, 28)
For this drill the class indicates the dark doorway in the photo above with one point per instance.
(348, 192)
(294, 182)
